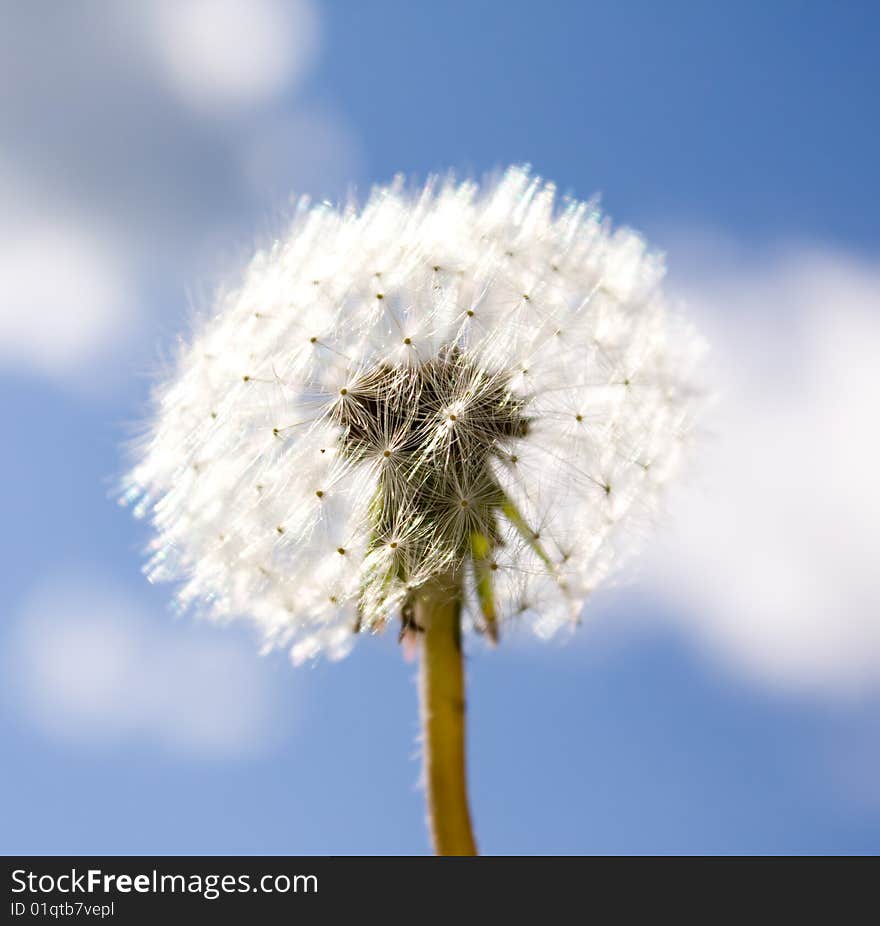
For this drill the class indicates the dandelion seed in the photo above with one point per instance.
(608, 303)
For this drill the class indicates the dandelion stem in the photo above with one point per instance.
(438, 613)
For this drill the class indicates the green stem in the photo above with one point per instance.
(438, 614)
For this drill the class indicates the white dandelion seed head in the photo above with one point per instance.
(465, 381)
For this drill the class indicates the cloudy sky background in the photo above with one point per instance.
(725, 699)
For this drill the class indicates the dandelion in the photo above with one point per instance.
(453, 408)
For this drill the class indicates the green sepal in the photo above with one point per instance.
(513, 514)
(481, 551)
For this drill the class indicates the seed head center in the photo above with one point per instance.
(399, 406)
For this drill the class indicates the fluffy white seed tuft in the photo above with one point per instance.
(462, 380)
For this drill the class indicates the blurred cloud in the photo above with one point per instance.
(66, 297)
(771, 557)
(87, 665)
(218, 54)
(291, 153)
(137, 150)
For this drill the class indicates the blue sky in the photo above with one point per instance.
(727, 701)
(753, 117)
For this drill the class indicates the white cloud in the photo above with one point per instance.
(65, 296)
(771, 559)
(141, 201)
(87, 665)
(219, 54)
